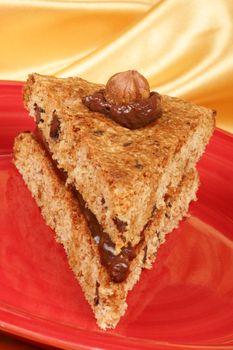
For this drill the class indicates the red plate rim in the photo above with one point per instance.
(42, 331)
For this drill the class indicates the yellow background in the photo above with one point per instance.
(183, 47)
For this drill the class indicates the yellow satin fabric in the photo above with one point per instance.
(183, 47)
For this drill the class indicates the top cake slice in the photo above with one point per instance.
(121, 174)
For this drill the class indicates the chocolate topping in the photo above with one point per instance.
(55, 126)
(145, 254)
(133, 115)
(38, 110)
(121, 225)
(116, 265)
(158, 236)
(96, 299)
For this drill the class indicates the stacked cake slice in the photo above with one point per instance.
(111, 193)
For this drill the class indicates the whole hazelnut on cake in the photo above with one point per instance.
(127, 100)
(126, 87)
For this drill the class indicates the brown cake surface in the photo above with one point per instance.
(121, 174)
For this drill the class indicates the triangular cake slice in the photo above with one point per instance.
(125, 154)
(61, 211)
(122, 174)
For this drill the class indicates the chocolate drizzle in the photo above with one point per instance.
(132, 115)
(96, 299)
(116, 265)
(38, 110)
(121, 225)
(55, 126)
(145, 254)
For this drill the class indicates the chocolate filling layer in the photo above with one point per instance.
(116, 265)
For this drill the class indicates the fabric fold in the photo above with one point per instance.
(184, 48)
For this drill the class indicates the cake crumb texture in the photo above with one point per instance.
(61, 212)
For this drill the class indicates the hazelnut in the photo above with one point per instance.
(126, 87)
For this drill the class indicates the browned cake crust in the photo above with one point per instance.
(61, 212)
(118, 171)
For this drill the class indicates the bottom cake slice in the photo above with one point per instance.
(61, 211)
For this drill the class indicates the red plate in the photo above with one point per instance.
(185, 301)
